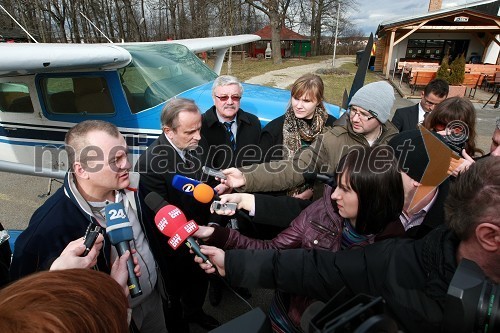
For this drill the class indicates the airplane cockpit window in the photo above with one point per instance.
(80, 95)
(159, 72)
(15, 97)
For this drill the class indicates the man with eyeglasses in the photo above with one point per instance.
(231, 140)
(367, 124)
(409, 117)
(229, 131)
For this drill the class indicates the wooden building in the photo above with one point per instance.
(469, 29)
(292, 43)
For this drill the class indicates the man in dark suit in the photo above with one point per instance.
(231, 140)
(177, 151)
(409, 117)
(232, 135)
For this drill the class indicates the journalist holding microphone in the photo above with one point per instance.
(412, 276)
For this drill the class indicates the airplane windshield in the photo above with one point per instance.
(159, 72)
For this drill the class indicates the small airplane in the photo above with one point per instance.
(45, 89)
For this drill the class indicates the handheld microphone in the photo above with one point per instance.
(172, 222)
(310, 177)
(119, 231)
(185, 184)
(204, 194)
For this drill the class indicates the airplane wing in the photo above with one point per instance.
(31, 58)
(215, 43)
(218, 44)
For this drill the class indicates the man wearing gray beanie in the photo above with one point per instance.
(367, 124)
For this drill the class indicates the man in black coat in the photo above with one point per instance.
(231, 138)
(409, 117)
(413, 276)
(177, 152)
(232, 135)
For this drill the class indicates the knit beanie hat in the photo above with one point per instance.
(377, 97)
(411, 153)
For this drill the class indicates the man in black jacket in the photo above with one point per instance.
(99, 175)
(232, 135)
(231, 138)
(177, 152)
(409, 117)
(411, 275)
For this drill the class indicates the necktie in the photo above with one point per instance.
(232, 140)
(189, 159)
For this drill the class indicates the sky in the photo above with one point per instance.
(370, 13)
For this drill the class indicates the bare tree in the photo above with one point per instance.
(276, 11)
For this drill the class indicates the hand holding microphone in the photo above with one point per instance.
(205, 194)
(120, 233)
(172, 222)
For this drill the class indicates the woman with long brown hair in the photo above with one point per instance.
(304, 120)
(455, 118)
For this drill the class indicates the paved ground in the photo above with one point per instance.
(283, 78)
(21, 195)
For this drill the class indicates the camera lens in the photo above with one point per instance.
(488, 316)
(472, 301)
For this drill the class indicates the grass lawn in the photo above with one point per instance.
(334, 84)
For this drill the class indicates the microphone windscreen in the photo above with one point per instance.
(118, 226)
(155, 201)
(185, 184)
(172, 222)
(203, 193)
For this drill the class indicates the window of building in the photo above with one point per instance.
(15, 97)
(435, 49)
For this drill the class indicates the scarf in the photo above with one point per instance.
(298, 133)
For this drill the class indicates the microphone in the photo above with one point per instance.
(311, 176)
(172, 222)
(185, 184)
(204, 194)
(120, 233)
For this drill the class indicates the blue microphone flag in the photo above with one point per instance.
(118, 226)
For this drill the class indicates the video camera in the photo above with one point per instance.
(362, 313)
(472, 301)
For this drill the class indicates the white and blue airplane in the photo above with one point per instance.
(45, 89)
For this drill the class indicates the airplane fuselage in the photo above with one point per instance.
(37, 107)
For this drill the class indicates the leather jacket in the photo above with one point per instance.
(319, 226)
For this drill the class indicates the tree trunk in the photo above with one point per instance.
(275, 37)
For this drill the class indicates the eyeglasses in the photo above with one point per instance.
(226, 97)
(363, 116)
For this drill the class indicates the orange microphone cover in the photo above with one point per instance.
(203, 193)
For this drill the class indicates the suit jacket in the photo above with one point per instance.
(406, 118)
(159, 164)
(220, 154)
